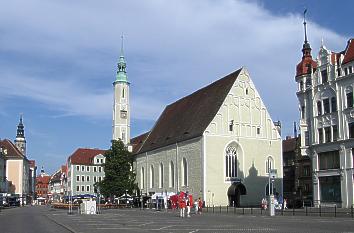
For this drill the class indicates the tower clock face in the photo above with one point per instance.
(123, 114)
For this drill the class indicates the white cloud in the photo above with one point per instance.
(172, 49)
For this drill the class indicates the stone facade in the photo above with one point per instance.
(235, 148)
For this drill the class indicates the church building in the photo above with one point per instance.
(218, 143)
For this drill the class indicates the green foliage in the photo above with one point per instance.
(119, 175)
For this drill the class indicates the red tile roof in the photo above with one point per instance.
(12, 150)
(349, 52)
(188, 117)
(84, 156)
(42, 179)
(303, 67)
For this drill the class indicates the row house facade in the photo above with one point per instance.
(42, 186)
(85, 169)
(325, 94)
(57, 184)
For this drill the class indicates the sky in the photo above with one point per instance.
(58, 60)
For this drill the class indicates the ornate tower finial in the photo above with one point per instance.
(121, 73)
(305, 26)
(122, 43)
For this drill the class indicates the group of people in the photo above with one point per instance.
(185, 201)
(282, 203)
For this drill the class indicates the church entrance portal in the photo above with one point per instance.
(234, 192)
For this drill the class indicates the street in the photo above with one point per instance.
(44, 219)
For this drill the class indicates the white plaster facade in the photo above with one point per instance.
(327, 118)
(242, 125)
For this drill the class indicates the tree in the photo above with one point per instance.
(119, 175)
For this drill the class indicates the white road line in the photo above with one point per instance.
(164, 227)
(144, 224)
(194, 231)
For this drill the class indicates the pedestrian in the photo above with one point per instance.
(189, 204)
(200, 205)
(285, 203)
(264, 203)
(182, 204)
(196, 206)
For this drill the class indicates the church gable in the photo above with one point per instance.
(243, 112)
(188, 117)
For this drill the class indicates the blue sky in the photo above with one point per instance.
(58, 61)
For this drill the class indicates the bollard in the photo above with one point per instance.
(243, 210)
(251, 210)
(234, 209)
(220, 209)
(320, 210)
(293, 210)
(306, 210)
(335, 211)
(213, 208)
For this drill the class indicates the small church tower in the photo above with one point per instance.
(121, 106)
(20, 140)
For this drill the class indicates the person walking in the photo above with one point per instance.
(196, 209)
(189, 204)
(181, 204)
(200, 205)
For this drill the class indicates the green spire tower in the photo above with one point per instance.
(121, 106)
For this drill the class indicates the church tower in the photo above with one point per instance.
(121, 106)
(20, 140)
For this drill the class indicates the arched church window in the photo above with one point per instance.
(184, 172)
(269, 164)
(172, 175)
(231, 162)
(152, 176)
(142, 178)
(161, 176)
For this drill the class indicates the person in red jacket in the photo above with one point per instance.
(181, 204)
(200, 205)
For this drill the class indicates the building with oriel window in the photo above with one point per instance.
(218, 143)
(325, 94)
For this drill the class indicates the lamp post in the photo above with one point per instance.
(126, 198)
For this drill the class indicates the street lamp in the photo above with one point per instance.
(126, 197)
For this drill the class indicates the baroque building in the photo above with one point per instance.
(325, 94)
(218, 143)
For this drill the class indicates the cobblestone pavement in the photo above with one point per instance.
(136, 220)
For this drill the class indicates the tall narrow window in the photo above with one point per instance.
(307, 138)
(350, 100)
(320, 135)
(324, 76)
(302, 112)
(351, 130)
(172, 175)
(184, 172)
(142, 178)
(319, 108)
(269, 164)
(327, 131)
(334, 133)
(123, 94)
(334, 104)
(326, 106)
(161, 176)
(231, 162)
(152, 176)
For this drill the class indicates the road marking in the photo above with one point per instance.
(164, 227)
(194, 231)
(144, 224)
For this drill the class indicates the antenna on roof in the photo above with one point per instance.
(305, 25)
(121, 47)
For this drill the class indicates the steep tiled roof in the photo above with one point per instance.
(138, 141)
(303, 67)
(84, 156)
(289, 145)
(42, 179)
(349, 52)
(12, 150)
(188, 117)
